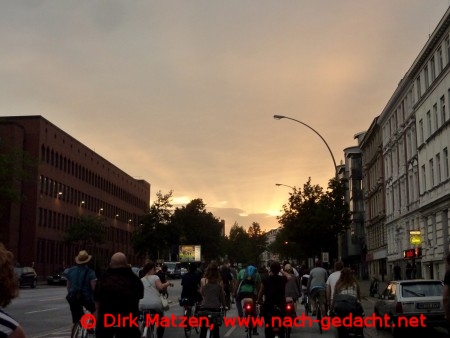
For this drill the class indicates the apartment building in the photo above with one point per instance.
(70, 180)
(374, 200)
(415, 141)
(352, 243)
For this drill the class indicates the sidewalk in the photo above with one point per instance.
(364, 286)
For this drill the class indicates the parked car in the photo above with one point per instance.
(411, 298)
(27, 276)
(58, 278)
(173, 269)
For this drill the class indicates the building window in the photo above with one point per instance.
(441, 60)
(433, 69)
(425, 74)
(424, 179)
(445, 159)
(428, 124)
(443, 109)
(447, 47)
(438, 169)
(420, 131)
(431, 173)
(436, 117)
(419, 90)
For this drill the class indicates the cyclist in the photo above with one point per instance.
(227, 281)
(152, 288)
(190, 283)
(117, 294)
(81, 282)
(213, 297)
(9, 289)
(273, 290)
(249, 283)
(331, 281)
(316, 287)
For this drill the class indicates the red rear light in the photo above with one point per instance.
(398, 307)
(248, 307)
(288, 307)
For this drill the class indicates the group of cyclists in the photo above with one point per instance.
(214, 288)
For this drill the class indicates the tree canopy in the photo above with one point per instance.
(312, 219)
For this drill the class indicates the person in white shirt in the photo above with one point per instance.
(332, 279)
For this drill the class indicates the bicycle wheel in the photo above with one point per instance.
(319, 315)
(287, 332)
(153, 331)
(76, 331)
(307, 307)
(194, 314)
(187, 329)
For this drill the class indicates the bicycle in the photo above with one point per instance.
(307, 306)
(148, 330)
(79, 330)
(214, 318)
(190, 310)
(318, 310)
(248, 310)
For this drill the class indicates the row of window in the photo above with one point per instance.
(73, 196)
(55, 220)
(429, 70)
(70, 167)
(438, 171)
(376, 236)
(433, 120)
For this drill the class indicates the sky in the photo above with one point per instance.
(182, 93)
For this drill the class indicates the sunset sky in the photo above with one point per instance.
(183, 93)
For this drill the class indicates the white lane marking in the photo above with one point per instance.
(48, 299)
(230, 331)
(42, 310)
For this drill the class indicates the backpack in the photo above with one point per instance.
(249, 275)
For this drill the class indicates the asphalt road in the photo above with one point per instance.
(44, 312)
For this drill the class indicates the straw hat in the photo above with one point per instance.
(83, 257)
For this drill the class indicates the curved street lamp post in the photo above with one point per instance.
(284, 185)
(279, 117)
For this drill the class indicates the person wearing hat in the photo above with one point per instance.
(81, 281)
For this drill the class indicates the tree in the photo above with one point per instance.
(238, 244)
(154, 237)
(199, 227)
(16, 168)
(87, 231)
(257, 240)
(312, 219)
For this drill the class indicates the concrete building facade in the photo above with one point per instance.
(415, 141)
(70, 180)
(374, 201)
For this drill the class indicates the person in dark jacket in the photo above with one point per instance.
(118, 292)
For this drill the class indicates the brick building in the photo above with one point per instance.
(70, 180)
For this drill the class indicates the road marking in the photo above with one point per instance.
(230, 331)
(42, 310)
(48, 299)
(56, 333)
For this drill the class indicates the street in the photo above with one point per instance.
(44, 312)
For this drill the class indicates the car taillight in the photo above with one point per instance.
(248, 307)
(288, 307)
(398, 307)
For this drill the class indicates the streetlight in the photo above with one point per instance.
(279, 117)
(285, 185)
